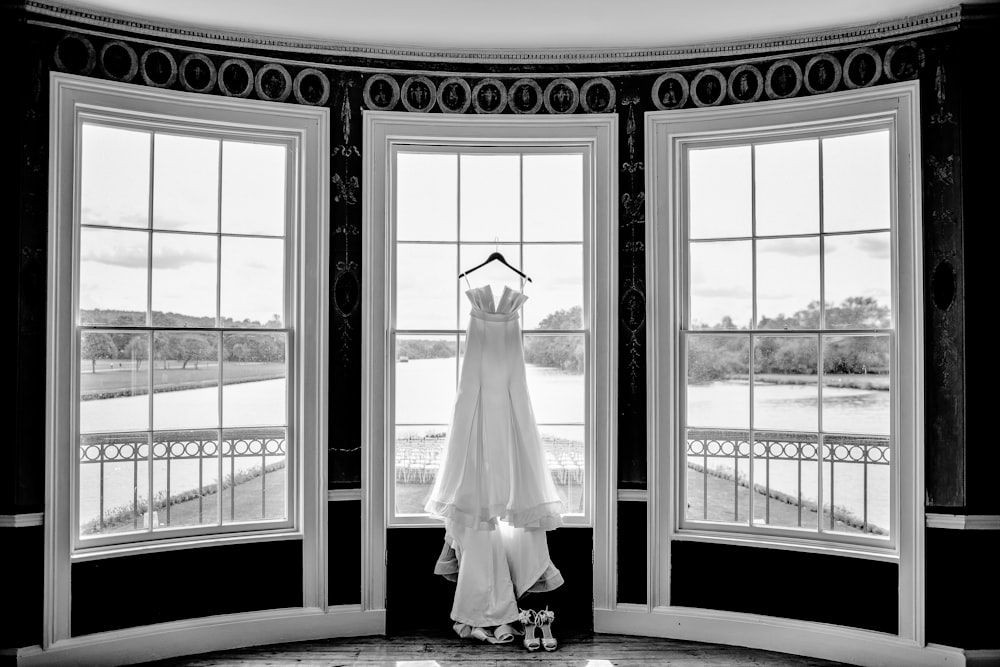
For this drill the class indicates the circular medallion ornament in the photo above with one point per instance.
(381, 93)
(561, 96)
(633, 309)
(197, 73)
(670, 91)
(745, 84)
(346, 290)
(419, 94)
(235, 78)
(708, 88)
(158, 68)
(783, 79)
(597, 96)
(454, 95)
(74, 53)
(273, 83)
(489, 96)
(524, 96)
(902, 61)
(118, 61)
(862, 68)
(822, 74)
(311, 87)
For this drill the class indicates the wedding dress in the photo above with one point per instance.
(493, 489)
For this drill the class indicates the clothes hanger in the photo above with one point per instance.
(496, 256)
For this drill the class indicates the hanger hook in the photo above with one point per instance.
(496, 244)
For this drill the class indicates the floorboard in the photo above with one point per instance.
(448, 650)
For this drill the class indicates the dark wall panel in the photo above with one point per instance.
(963, 587)
(23, 553)
(117, 593)
(344, 551)
(632, 550)
(854, 592)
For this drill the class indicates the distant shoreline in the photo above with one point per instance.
(869, 382)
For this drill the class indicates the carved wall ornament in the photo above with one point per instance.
(489, 96)
(381, 93)
(822, 74)
(158, 68)
(862, 68)
(902, 62)
(708, 88)
(118, 61)
(419, 94)
(670, 91)
(310, 86)
(273, 83)
(745, 84)
(561, 96)
(524, 96)
(783, 79)
(943, 285)
(597, 96)
(235, 78)
(454, 95)
(74, 53)
(197, 73)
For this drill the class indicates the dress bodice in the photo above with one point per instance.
(481, 299)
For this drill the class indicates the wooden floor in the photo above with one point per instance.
(445, 650)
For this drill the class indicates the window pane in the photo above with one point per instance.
(856, 182)
(718, 381)
(553, 197)
(253, 379)
(426, 197)
(490, 198)
(418, 455)
(856, 493)
(785, 393)
(184, 279)
(114, 177)
(114, 381)
(556, 367)
(113, 483)
(718, 475)
(721, 285)
(719, 188)
(858, 281)
(114, 266)
(253, 282)
(785, 479)
(426, 368)
(252, 488)
(185, 380)
(494, 274)
(186, 183)
(555, 295)
(253, 188)
(787, 182)
(856, 384)
(564, 455)
(426, 286)
(788, 283)
(185, 478)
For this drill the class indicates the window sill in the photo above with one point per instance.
(176, 543)
(789, 543)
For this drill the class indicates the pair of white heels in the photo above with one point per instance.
(542, 622)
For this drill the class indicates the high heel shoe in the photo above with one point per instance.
(544, 620)
(530, 623)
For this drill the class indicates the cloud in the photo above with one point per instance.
(789, 247)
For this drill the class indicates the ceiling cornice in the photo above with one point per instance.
(896, 28)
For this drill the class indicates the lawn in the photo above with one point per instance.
(113, 380)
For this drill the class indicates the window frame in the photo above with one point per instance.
(76, 100)
(667, 133)
(383, 131)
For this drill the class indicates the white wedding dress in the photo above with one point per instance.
(493, 489)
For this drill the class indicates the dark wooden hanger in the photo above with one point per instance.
(495, 257)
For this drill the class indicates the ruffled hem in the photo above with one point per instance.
(546, 516)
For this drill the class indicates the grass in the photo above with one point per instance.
(871, 381)
(110, 382)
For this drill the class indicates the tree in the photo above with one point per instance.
(193, 347)
(97, 346)
(563, 352)
(137, 350)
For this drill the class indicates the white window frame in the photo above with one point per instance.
(305, 130)
(596, 135)
(667, 134)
